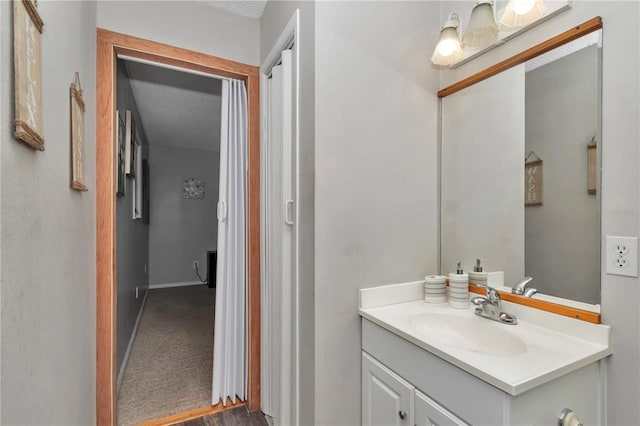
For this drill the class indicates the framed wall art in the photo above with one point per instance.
(129, 142)
(120, 164)
(27, 61)
(77, 135)
(533, 189)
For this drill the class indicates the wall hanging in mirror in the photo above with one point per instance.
(77, 135)
(27, 31)
(592, 164)
(120, 175)
(533, 187)
(193, 188)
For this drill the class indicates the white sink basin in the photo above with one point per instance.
(470, 333)
(514, 358)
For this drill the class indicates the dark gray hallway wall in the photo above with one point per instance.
(181, 230)
(132, 238)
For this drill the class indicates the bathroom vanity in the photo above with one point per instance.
(427, 364)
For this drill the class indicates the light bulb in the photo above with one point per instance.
(447, 47)
(521, 7)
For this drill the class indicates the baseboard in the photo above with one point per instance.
(167, 285)
(125, 360)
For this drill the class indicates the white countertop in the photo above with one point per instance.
(555, 345)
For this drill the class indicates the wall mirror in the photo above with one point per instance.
(520, 169)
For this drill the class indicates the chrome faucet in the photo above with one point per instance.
(523, 287)
(491, 307)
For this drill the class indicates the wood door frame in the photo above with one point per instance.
(109, 45)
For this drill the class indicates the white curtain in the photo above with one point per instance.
(230, 338)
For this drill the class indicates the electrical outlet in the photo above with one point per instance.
(622, 256)
(195, 264)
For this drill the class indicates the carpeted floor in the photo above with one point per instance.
(171, 361)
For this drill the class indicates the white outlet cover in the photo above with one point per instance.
(616, 261)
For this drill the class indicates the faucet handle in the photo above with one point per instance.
(493, 295)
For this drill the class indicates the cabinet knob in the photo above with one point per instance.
(402, 414)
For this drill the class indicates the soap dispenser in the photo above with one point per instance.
(478, 277)
(459, 288)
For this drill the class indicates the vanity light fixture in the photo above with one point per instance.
(448, 50)
(519, 13)
(491, 26)
(482, 30)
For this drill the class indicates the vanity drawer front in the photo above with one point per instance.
(387, 399)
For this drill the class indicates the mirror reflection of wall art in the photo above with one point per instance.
(193, 188)
(592, 165)
(77, 135)
(120, 145)
(27, 59)
(533, 180)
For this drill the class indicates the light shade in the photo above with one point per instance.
(520, 13)
(448, 50)
(482, 30)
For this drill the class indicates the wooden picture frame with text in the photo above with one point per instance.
(77, 135)
(27, 61)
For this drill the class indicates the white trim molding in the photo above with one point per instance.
(134, 333)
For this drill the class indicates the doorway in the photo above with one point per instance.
(165, 309)
(109, 46)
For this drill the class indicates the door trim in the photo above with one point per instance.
(109, 45)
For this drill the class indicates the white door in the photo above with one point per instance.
(430, 413)
(279, 222)
(387, 399)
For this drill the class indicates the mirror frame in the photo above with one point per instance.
(561, 39)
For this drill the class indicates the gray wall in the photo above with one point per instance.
(562, 237)
(48, 234)
(274, 19)
(376, 162)
(202, 28)
(181, 230)
(132, 236)
(620, 163)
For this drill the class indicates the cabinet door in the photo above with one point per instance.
(430, 413)
(387, 399)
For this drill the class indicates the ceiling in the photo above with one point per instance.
(250, 8)
(177, 109)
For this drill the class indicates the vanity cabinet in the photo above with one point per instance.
(388, 399)
(400, 379)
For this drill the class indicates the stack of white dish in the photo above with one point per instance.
(459, 291)
(435, 289)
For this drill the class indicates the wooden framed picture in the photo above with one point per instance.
(592, 166)
(77, 135)
(27, 59)
(146, 192)
(120, 164)
(533, 188)
(129, 148)
(137, 183)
